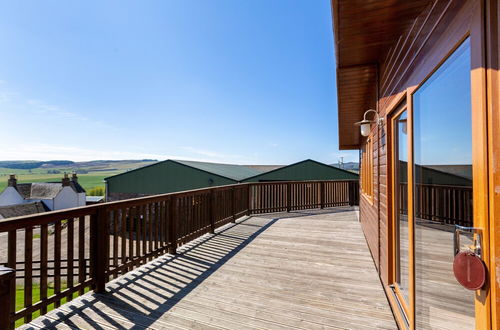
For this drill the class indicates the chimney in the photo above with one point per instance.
(74, 177)
(12, 182)
(65, 180)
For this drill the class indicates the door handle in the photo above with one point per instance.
(477, 239)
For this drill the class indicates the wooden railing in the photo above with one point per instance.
(269, 197)
(65, 253)
(441, 203)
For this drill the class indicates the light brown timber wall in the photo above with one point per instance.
(415, 55)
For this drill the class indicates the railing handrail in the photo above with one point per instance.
(112, 238)
(49, 216)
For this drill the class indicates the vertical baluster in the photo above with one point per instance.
(12, 262)
(57, 260)
(44, 237)
(159, 232)
(69, 254)
(115, 239)
(158, 229)
(82, 263)
(131, 223)
(232, 197)
(28, 271)
(106, 218)
(167, 222)
(172, 226)
(123, 223)
(145, 225)
(150, 228)
(161, 223)
(211, 211)
(138, 232)
(155, 226)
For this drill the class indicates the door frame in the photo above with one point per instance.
(481, 103)
(492, 50)
(406, 306)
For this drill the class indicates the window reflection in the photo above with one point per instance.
(442, 190)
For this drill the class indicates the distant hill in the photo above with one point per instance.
(349, 166)
(31, 164)
(68, 165)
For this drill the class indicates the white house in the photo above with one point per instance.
(54, 195)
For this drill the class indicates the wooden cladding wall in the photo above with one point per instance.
(83, 248)
(414, 56)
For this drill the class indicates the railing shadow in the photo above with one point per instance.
(308, 212)
(140, 298)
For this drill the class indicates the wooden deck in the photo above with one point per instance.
(298, 270)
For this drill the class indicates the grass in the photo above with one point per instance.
(36, 297)
(87, 181)
(97, 171)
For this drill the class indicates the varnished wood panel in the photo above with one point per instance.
(492, 40)
(419, 48)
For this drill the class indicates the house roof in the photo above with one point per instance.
(77, 187)
(234, 172)
(24, 189)
(22, 209)
(45, 190)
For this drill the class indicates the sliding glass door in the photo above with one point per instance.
(432, 193)
(442, 185)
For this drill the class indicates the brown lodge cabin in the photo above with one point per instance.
(429, 69)
(418, 92)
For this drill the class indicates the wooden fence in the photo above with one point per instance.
(441, 203)
(83, 248)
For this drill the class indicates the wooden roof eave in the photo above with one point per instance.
(363, 33)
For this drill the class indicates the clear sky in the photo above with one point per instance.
(246, 81)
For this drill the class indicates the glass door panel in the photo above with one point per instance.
(442, 191)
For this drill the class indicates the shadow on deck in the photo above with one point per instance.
(307, 269)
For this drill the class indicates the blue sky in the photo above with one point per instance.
(247, 81)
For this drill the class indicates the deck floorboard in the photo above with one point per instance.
(298, 270)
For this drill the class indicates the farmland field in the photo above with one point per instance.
(92, 173)
(87, 181)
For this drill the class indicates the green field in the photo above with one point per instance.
(93, 174)
(87, 181)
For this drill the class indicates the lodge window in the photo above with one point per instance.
(367, 168)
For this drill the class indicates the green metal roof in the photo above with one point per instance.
(235, 172)
(304, 170)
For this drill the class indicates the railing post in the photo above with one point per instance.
(249, 200)
(322, 195)
(99, 254)
(233, 217)
(172, 227)
(353, 193)
(211, 211)
(7, 297)
(288, 197)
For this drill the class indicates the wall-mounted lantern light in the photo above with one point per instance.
(365, 123)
